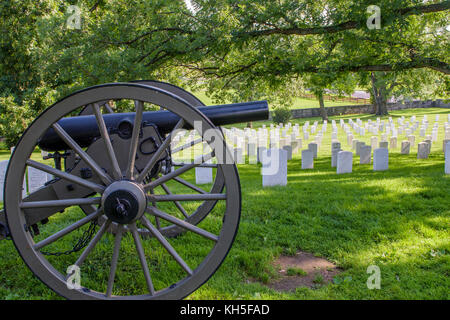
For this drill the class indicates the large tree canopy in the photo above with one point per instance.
(239, 49)
(227, 39)
(285, 37)
(256, 45)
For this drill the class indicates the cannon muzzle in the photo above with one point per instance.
(84, 129)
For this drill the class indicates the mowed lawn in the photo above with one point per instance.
(398, 220)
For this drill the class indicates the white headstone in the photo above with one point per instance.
(251, 153)
(429, 145)
(313, 147)
(393, 142)
(334, 154)
(203, 175)
(406, 146)
(335, 145)
(384, 144)
(380, 159)
(36, 179)
(359, 144)
(3, 167)
(296, 145)
(334, 135)
(412, 140)
(261, 150)
(444, 144)
(274, 168)
(354, 142)
(422, 150)
(238, 157)
(447, 158)
(307, 159)
(365, 155)
(335, 148)
(349, 139)
(288, 149)
(344, 162)
(374, 142)
(422, 132)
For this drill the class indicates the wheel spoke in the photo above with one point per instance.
(182, 223)
(114, 260)
(177, 204)
(159, 152)
(108, 108)
(107, 140)
(204, 165)
(93, 243)
(187, 197)
(166, 245)
(66, 176)
(135, 138)
(158, 223)
(177, 172)
(189, 185)
(143, 260)
(59, 203)
(67, 230)
(83, 155)
(187, 145)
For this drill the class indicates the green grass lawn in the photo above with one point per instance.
(298, 103)
(398, 220)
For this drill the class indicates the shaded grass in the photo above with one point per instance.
(398, 220)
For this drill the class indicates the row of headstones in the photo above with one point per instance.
(240, 138)
(383, 144)
(423, 148)
(342, 160)
(34, 179)
(404, 126)
(256, 143)
(256, 154)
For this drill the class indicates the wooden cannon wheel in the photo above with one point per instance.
(157, 258)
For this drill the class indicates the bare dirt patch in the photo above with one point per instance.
(316, 272)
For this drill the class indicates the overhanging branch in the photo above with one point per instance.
(417, 63)
(348, 25)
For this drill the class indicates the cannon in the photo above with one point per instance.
(123, 217)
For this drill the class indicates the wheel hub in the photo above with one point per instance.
(124, 202)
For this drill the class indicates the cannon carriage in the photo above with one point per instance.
(120, 184)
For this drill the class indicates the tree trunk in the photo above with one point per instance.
(323, 110)
(380, 100)
(249, 125)
(381, 107)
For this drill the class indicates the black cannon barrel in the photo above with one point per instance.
(84, 129)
